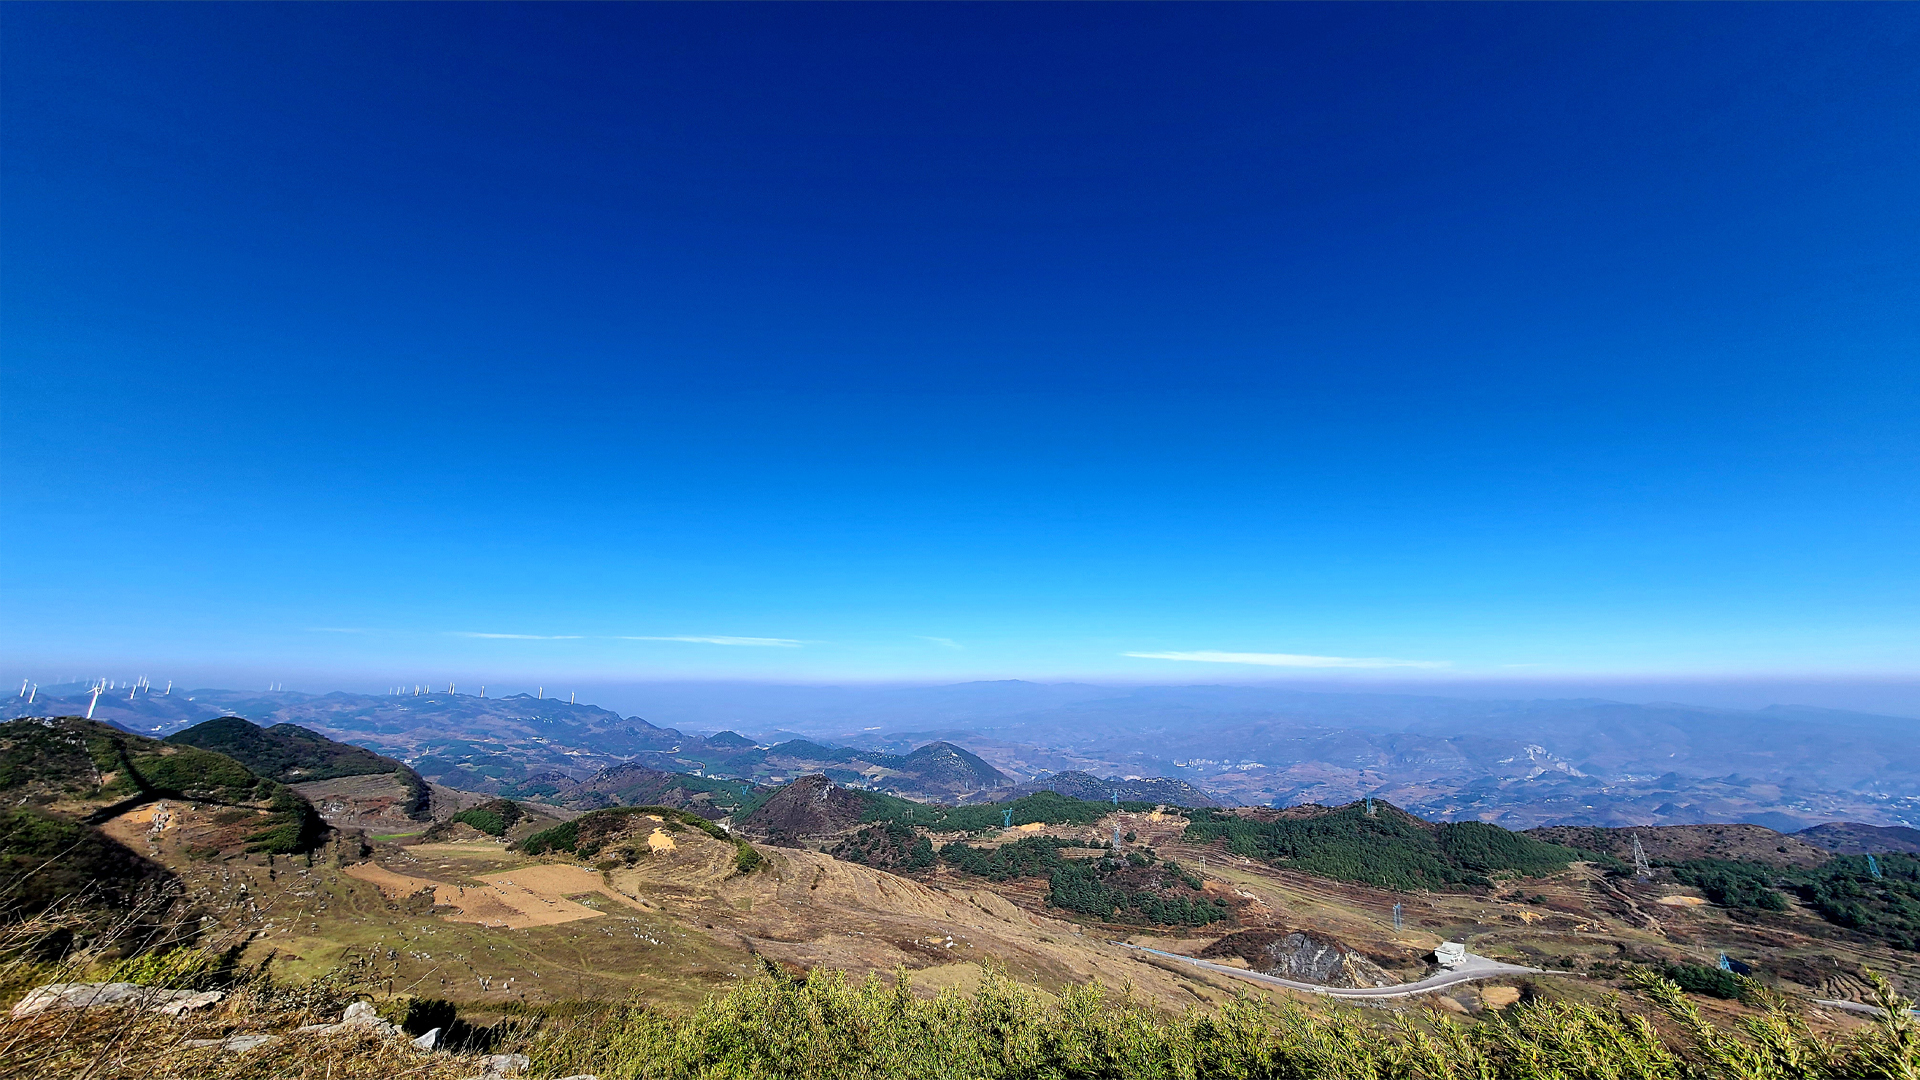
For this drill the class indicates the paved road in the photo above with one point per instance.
(1859, 1007)
(1475, 968)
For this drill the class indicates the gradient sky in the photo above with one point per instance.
(386, 343)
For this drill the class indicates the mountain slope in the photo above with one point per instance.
(76, 791)
(1082, 785)
(808, 807)
(1852, 838)
(1678, 843)
(286, 752)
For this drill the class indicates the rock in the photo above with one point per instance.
(239, 1044)
(178, 1005)
(1300, 955)
(500, 1066)
(54, 996)
(360, 1016)
(429, 1041)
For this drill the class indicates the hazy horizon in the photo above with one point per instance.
(661, 701)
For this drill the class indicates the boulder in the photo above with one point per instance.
(360, 1016)
(55, 996)
(501, 1066)
(239, 1044)
(1301, 956)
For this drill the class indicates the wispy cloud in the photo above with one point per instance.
(1293, 660)
(943, 642)
(767, 642)
(518, 637)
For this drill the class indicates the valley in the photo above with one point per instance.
(507, 907)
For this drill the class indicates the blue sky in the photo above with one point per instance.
(384, 343)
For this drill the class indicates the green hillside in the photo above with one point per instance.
(83, 771)
(291, 754)
(1390, 848)
(1845, 891)
(1136, 887)
(284, 752)
(1043, 807)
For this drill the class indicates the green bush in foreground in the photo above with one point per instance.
(827, 1027)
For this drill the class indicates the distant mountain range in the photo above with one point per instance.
(1518, 763)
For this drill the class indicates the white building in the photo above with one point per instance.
(1450, 954)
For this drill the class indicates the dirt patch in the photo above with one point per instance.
(480, 849)
(516, 900)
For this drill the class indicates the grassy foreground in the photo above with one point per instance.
(830, 1028)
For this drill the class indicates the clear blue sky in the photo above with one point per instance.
(949, 341)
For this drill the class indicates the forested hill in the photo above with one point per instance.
(1379, 845)
(286, 752)
(1083, 785)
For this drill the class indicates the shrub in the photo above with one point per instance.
(826, 1026)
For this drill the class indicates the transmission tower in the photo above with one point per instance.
(1873, 866)
(1396, 917)
(1640, 868)
(1370, 806)
(1116, 836)
(1725, 964)
(1006, 818)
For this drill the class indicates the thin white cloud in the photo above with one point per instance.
(943, 642)
(1293, 660)
(518, 637)
(767, 642)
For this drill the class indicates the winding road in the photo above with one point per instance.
(1474, 969)
(1856, 1006)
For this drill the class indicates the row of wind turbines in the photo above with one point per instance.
(419, 689)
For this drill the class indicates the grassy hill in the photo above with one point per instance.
(813, 806)
(285, 752)
(61, 779)
(292, 754)
(618, 834)
(1389, 848)
(633, 784)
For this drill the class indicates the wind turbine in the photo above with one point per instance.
(97, 691)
